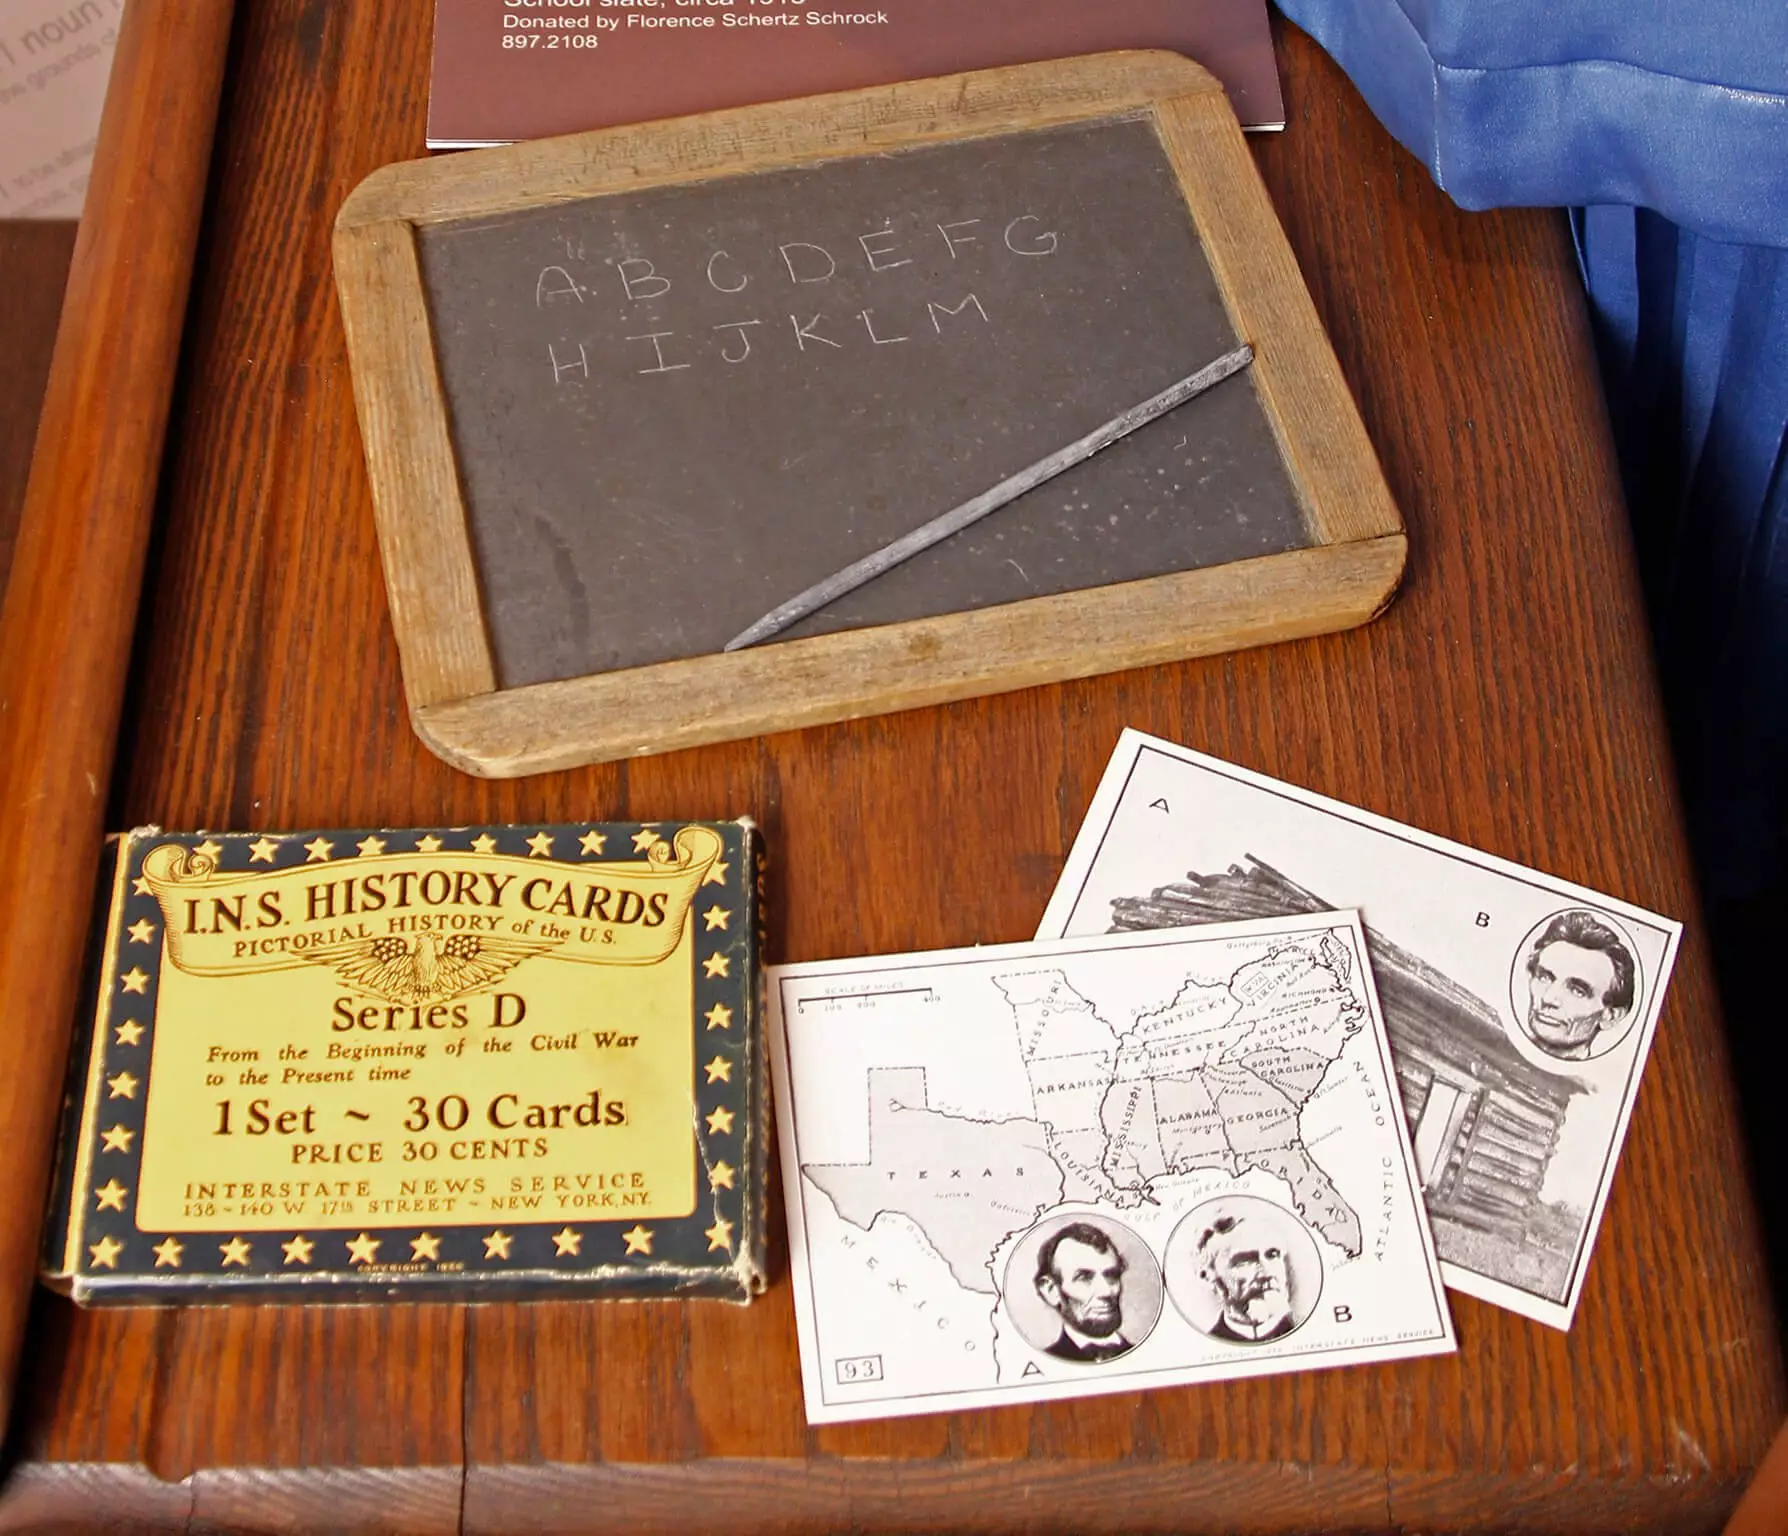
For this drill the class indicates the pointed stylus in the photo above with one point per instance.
(972, 511)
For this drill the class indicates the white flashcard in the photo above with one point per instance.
(1038, 1171)
(1520, 1008)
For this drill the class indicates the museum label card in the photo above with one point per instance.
(505, 70)
(1037, 1171)
(55, 60)
(1520, 1007)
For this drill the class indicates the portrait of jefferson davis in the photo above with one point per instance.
(1248, 1271)
(1080, 1276)
(1580, 986)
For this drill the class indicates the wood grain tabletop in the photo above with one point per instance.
(1506, 699)
(34, 267)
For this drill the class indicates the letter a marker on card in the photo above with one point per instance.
(970, 512)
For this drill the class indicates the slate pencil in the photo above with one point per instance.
(970, 512)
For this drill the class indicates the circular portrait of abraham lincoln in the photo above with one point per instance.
(1083, 1289)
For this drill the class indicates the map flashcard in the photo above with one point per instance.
(1048, 1170)
(1520, 1008)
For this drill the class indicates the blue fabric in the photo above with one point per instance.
(1680, 106)
(1694, 343)
(1664, 125)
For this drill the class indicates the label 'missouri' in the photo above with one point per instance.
(460, 1057)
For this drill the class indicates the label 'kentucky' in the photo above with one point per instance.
(427, 1062)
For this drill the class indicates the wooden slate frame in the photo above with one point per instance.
(1346, 576)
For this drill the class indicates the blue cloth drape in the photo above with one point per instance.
(1663, 124)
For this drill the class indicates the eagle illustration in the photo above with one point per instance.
(424, 967)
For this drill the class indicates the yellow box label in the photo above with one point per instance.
(423, 1036)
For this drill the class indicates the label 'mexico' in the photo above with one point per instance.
(453, 1059)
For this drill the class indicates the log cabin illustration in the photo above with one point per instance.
(1483, 1119)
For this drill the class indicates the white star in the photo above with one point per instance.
(370, 847)
(318, 852)
(540, 846)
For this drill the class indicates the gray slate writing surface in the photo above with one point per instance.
(676, 408)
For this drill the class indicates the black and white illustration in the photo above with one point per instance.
(987, 1155)
(1244, 1270)
(1520, 1008)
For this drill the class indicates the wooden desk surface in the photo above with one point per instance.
(33, 270)
(1506, 700)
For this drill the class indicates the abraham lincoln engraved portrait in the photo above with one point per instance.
(1575, 985)
(1083, 1289)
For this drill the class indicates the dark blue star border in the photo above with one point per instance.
(716, 1250)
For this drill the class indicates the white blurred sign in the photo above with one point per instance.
(55, 59)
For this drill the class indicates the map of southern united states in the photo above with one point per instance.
(1218, 1078)
(967, 1184)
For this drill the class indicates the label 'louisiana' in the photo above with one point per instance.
(451, 1060)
